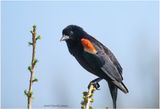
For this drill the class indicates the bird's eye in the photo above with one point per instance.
(71, 32)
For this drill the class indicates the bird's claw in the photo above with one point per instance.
(95, 84)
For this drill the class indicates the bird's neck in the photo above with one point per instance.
(74, 47)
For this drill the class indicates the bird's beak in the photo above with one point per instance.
(64, 38)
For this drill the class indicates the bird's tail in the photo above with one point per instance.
(114, 92)
(121, 86)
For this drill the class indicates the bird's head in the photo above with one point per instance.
(76, 36)
(72, 33)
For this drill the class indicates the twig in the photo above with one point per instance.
(31, 68)
(87, 98)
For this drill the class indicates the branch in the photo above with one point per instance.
(87, 97)
(31, 68)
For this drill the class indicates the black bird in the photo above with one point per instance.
(95, 58)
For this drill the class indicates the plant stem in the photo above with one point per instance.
(29, 105)
(88, 97)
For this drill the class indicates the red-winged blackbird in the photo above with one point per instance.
(95, 58)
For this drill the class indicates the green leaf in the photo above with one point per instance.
(35, 61)
(92, 100)
(30, 43)
(29, 68)
(38, 37)
(106, 108)
(30, 94)
(31, 31)
(34, 26)
(34, 29)
(85, 93)
(85, 99)
(82, 107)
(26, 92)
(35, 80)
(82, 103)
(90, 107)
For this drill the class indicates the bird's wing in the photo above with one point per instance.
(104, 60)
(109, 53)
(109, 68)
(113, 59)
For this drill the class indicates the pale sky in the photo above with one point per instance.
(129, 29)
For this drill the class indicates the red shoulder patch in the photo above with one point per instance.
(88, 46)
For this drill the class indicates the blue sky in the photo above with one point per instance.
(129, 29)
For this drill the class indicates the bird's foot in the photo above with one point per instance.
(95, 84)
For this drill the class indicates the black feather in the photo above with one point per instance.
(114, 92)
(103, 63)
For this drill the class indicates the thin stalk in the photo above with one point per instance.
(32, 68)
